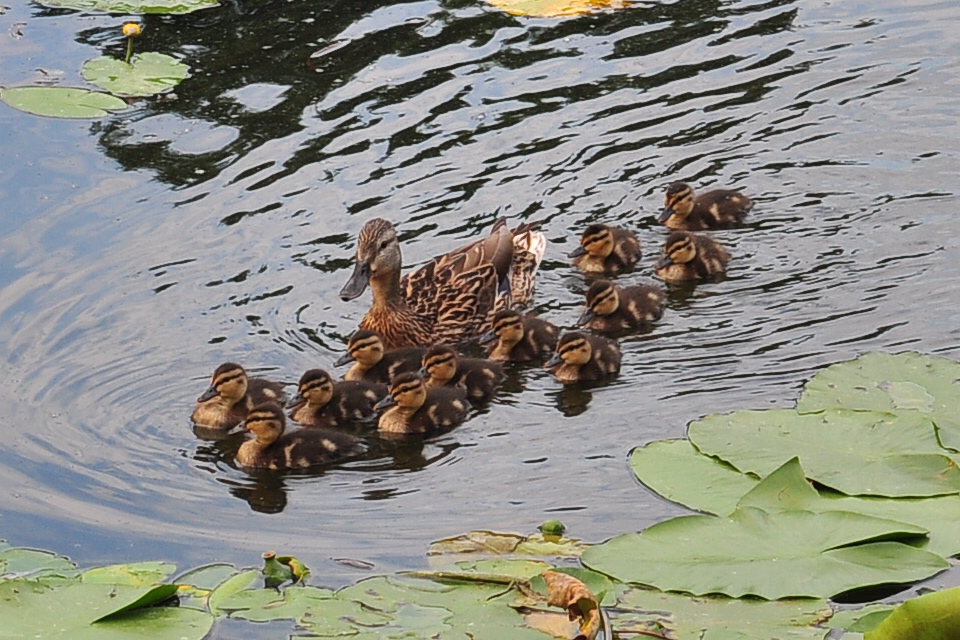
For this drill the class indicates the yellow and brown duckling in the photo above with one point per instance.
(605, 249)
(691, 256)
(517, 337)
(413, 408)
(716, 209)
(271, 448)
(373, 362)
(231, 395)
(611, 308)
(443, 367)
(321, 402)
(584, 357)
(451, 298)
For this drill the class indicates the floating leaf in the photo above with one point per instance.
(33, 563)
(133, 6)
(854, 452)
(550, 546)
(136, 574)
(901, 383)
(477, 542)
(229, 588)
(264, 605)
(933, 616)
(62, 102)
(555, 8)
(147, 74)
(752, 552)
(860, 620)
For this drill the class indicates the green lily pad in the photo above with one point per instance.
(147, 74)
(901, 383)
(477, 542)
(263, 605)
(133, 6)
(34, 563)
(854, 452)
(771, 555)
(549, 545)
(932, 616)
(136, 574)
(229, 588)
(861, 620)
(62, 102)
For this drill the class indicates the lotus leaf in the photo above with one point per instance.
(133, 6)
(902, 383)
(778, 555)
(62, 102)
(147, 74)
(854, 452)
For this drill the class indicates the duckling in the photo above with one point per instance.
(691, 256)
(583, 357)
(373, 362)
(231, 395)
(413, 408)
(442, 367)
(274, 449)
(605, 249)
(611, 308)
(717, 209)
(321, 402)
(451, 298)
(517, 337)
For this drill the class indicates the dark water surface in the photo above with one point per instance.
(141, 251)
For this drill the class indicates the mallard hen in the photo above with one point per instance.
(583, 357)
(413, 408)
(443, 367)
(373, 362)
(611, 308)
(517, 337)
(451, 298)
(691, 256)
(606, 249)
(321, 402)
(231, 395)
(716, 209)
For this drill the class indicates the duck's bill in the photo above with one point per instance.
(664, 261)
(386, 403)
(296, 401)
(344, 359)
(487, 337)
(357, 283)
(555, 361)
(665, 214)
(576, 253)
(209, 394)
(586, 317)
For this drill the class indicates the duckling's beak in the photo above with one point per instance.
(344, 359)
(357, 282)
(209, 394)
(586, 317)
(664, 261)
(487, 337)
(296, 401)
(386, 403)
(665, 214)
(576, 253)
(554, 361)
(423, 373)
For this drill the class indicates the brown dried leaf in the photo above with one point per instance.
(571, 594)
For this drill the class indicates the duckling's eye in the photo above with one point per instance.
(383, 245)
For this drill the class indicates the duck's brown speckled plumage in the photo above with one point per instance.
(611, 308)
(271, 448)
(451, 298)
(584, 357)
(520, 337)
(373, 362)
(321, 402)
(606, 250)
(691, 256)
(716, 209)
(413, 408)
(444, 367)
(231, 395)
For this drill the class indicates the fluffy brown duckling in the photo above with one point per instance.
(611, 308)
(372, 362)
(584, 357)
(606, 249)
(716, 209)
(691, 256)
(230, 397)
(442, 367)
(321, 402)
(271, 448)
(517, 337)
(413, 408)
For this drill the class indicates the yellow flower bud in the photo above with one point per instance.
(131, 29)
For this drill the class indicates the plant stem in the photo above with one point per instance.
(129, 50)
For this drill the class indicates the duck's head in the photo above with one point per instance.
(266, 421)
(573, 348)
(365, 347)
(378, 255)
(439, 365)
(315, 388)
(602, 300)
(229, 384)
(678, 249)
(407, 391)
(597, 240)
(507, 327)
(677, 201)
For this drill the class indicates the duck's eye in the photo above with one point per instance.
(383, 245)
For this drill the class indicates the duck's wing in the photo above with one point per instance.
(465, 300)
(529, 245)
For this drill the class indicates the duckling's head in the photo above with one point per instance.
(573, 348)
(597, 240)
(378, 255)
(677, 201)
(229, 384)
(365, 347)
(315, 389)
(602, 300)
(439, 365)
(507, 327)
(407, 392)
(678, 249)
(266, 421)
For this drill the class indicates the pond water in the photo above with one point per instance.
(140, 251)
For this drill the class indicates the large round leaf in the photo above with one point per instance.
(854, 452)
(61, 102)
(771, 555)
(147, 74)
(899, 383)
(133, 6)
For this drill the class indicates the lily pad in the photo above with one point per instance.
(133, 6)
(901, 383)
(861, 620)
(854, 452)
(477, 542)
(136, 574)
(932, 616)
(17, 562)
(229, 588)
(62, 102)
(771, 555)
(147, 74)
(555, 8)
(263, 605)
